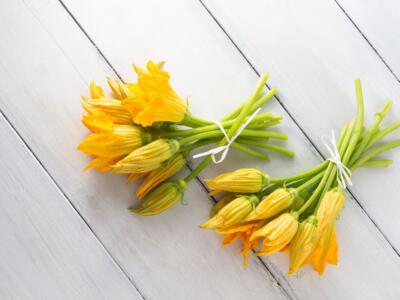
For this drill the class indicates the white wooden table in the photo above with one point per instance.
(68, 235)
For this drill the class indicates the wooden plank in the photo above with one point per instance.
(378, 21)
(46, 250)
(315, 59)
(206, 65)
(46, 65)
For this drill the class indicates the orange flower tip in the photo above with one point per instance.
(161, 64)
(214, 193)
(203, 225)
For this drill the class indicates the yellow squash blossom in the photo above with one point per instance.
(115, 113)
(147, 158)
(99, 104)
(221, 203)
(277, 234)
(232, 213)
(96, 91)
(275, 203)
(326, 251)
(162, 198)
(330, 207)
(114, 87)
(246, 180)
(303, 244)
(243, 232)
(153, 98)
(102, 164)
(121, 140)
(98, 122)
(165, 171)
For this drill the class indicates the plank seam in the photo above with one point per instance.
(58, 187)
(361, 207)
(273, 277)
(367, 40)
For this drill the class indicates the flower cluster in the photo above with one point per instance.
(146, 131)
(298, 213)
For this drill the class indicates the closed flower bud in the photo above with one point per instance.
(165, 171)
(330, 207)
(303, 244)
(119, 141)
(273, 204)
(246, 180)
(162, 198)
(148, 157)
(277, 234)
(221, 203)
(326, 251)
(232, 213)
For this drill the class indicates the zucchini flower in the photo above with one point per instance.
(165, 171)
(246, 180)
(162, 198)
(330, 207)
(221, 203)
(243, 232)
(96, 92)
(273, 204)
(147, 158)
(232, 213)
(119, 141)
(326, 251)
(102, 164)
(111, 107)
(98, 122)
(153, 99)
(303, 244)
(277, 234)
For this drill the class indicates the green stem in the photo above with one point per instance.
(375, 152)
(267, 146)
(250, 152)
(239, 120)
(310, 182)
(260, 102)
(299, 176)
(244, 133)
(359, 124)
(381, 134)
(260, 119)
(317, 191)
(377, 163)
(370, 133)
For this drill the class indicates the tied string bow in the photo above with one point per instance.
(225, 149)
(343, 172)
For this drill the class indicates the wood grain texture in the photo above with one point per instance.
(206, 65)
(315, 59)
(378, 21)
(46, 250)
(46, 64)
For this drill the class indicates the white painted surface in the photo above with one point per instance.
(46, 61)
(379, 22)
(46, 250)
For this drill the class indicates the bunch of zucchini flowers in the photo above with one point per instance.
(298, 213)
(145, 130)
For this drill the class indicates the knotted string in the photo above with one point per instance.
(225, 149)
(343, 173)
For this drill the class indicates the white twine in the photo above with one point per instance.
(343, 173)
(225, 149)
